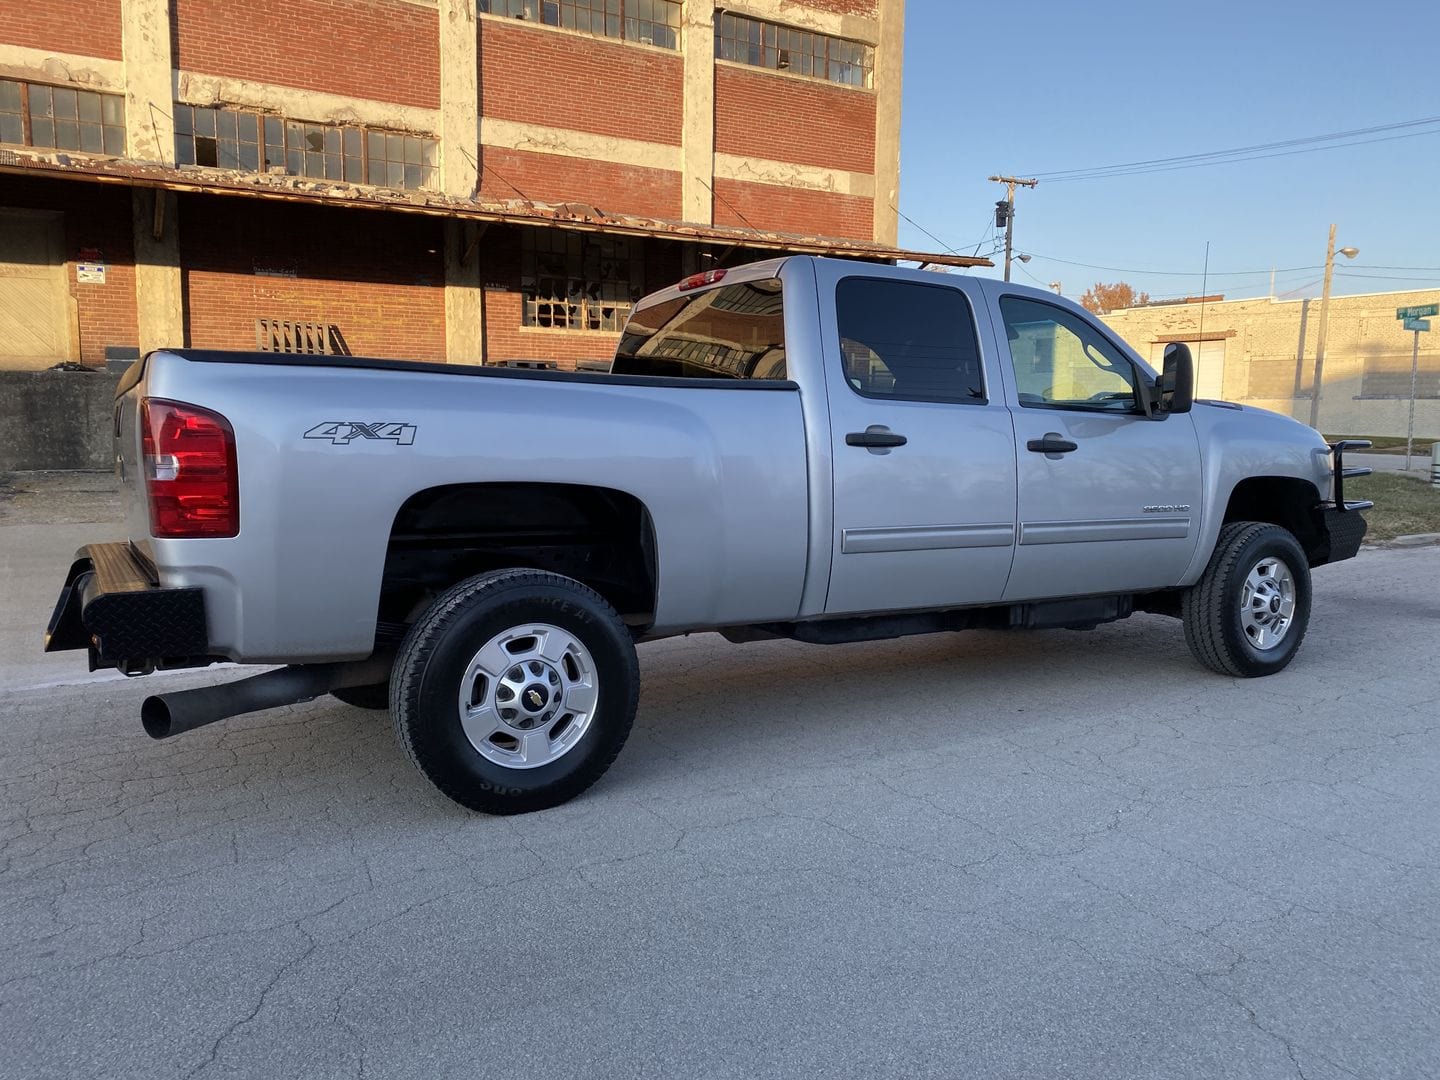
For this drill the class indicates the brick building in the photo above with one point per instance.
(1262, 352)
(462, 180)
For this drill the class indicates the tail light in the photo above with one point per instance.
(190, 473)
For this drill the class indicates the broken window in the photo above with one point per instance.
(61, 117)
(802, 52)
(650, 22)
(576, 281)
(220, 138)
(239, 139)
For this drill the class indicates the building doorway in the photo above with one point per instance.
(34, 299)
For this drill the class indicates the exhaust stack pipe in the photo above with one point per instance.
(165, 715)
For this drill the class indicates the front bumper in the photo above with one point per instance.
(1340, 520)
(1344, 530)
(113, 606)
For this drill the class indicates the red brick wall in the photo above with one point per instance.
(83, 27)
(540, 76)
(794, 211)
(868, 8)
(380, 277)
(786, 118)
(385, 50)
(96, 218)
(615, 189)
(507, 339)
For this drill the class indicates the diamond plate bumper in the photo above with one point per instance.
(112, 606)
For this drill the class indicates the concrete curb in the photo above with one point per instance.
(1415, 540)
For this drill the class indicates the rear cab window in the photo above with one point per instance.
(733, 332)
(900, 340)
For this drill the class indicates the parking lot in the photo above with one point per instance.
(983, 855)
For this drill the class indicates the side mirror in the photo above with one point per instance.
(1177, 381)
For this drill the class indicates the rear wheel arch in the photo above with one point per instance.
(601, 537)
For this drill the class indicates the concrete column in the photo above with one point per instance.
(459, 98)
(464, 306)
(145, 52)
(889, 61)
(150, 136)
(158, 300)
(697, 40)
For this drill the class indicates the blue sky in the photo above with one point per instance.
(1050, 86)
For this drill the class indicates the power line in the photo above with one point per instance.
(1385, 277)
(948, 249)
(1165, 273)
(1305, 144)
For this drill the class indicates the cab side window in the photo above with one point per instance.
(900, 340)
(1061, 362)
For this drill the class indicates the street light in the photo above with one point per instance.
(1349, 253)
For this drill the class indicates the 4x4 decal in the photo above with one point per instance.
(343, 432)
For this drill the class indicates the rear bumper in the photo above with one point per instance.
(112, 606)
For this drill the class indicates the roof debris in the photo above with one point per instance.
(572, 215)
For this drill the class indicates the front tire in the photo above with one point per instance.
(1248, 613)
(515, 691)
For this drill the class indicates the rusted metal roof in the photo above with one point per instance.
(570, 215)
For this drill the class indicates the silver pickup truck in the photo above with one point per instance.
(804, 448)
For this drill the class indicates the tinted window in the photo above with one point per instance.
(910, 341)
(734, 332)
(1061, 361)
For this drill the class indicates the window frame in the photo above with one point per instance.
(927, 399)
(289, 138)
(1139, 377)
(763, 37)
(27, 121)
(578, 312)
(534, 12)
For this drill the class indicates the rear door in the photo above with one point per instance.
(1109, 498)
(921, 443)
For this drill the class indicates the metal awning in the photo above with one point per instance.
(569, 215)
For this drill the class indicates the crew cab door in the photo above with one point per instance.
(922, 448)
(1109, 498)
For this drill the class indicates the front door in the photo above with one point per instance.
(34, 326)
(922, 449)
(1109, 499)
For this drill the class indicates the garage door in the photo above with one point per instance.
(1209, 357)
(34, 331)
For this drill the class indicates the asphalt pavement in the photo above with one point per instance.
(1055, 854)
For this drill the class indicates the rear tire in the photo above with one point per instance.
(515, 690)
(1248, 613)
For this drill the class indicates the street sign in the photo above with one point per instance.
(1419, 311)
(1417, 324)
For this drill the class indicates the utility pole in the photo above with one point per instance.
(1005, 211)
(1349, 253)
